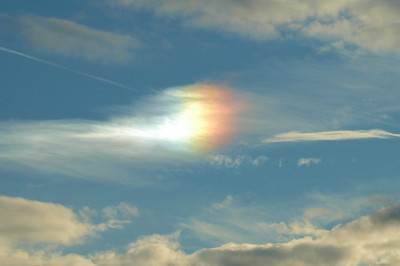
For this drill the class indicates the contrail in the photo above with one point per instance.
(66, 68)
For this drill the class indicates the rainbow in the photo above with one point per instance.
(205, 118)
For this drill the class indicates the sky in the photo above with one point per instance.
(223, 132)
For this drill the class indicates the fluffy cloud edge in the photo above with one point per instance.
(369, 239)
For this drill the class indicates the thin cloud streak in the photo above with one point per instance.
(331, 135)
(57, 36)
(66, 68)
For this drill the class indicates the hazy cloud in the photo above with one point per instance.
(123, 209)
(67, 38)
(177, 126)
(224, 204)
(365, 23)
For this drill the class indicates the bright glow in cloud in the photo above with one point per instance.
(197, 117)
(205, 118)
(332, 135)
(179, 123)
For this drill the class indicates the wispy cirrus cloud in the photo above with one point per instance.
(232, 220)
(67, 38)
(332, 135)
(367, 24)
(179, 125)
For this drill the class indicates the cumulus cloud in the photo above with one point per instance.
(150, 250)
(372, 239)
(331, 135)
(308, 161)
(40, 225)
(32, 222)
(365, 23)
(67, 38)
(220, 160)
(25, 221)
(19, 257)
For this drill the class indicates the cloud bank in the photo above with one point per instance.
(372, 239)
(368, 24)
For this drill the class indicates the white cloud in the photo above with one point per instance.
(123, 209)
(259, 160)
(331, 135)
(151, 250)
(220, 160)
(365, 23)
(19, 257)
(178, 126)
(31, 232)
(301, 227)
(224, 204)
(371, 240)
(308, 161)
(232, 221)
(25, 221)
(161, 130)
(32, 222)
(328, 209)
(67, 38)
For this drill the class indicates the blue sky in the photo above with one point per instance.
(195, 132)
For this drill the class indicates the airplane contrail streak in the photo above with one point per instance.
(66, 68)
